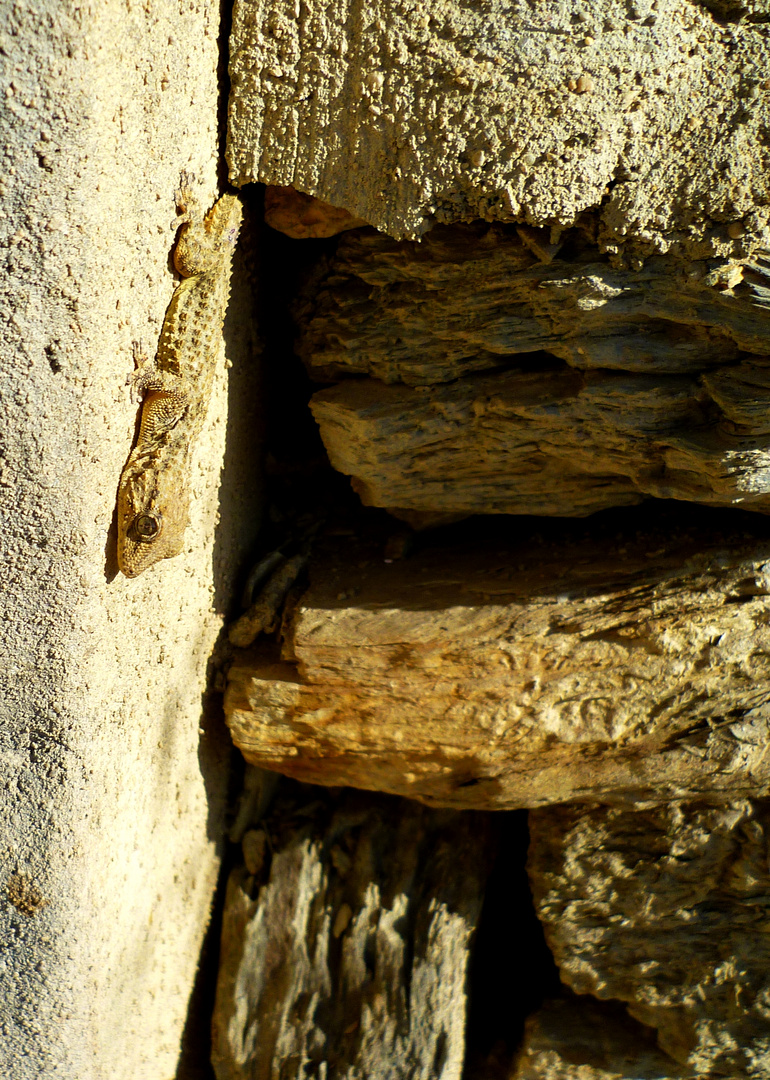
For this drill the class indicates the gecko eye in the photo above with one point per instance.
(147, 526)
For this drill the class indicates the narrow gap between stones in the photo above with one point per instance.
(512, 970)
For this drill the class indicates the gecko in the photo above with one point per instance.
(153, 495)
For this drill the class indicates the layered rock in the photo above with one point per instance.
(470, 298)
(522, 669)
(665, 910)
(557, 387)
(580, 1038)
(351, 958)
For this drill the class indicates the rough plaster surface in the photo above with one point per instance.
(113, 768)
(405, 113)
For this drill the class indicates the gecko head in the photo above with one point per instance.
(151, 523)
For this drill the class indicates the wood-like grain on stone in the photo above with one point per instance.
(522, 669)
(470, 298)
(554, 387)
(563, 443)
(347, 956)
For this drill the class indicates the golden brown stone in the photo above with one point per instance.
(303, 217)
(523, 669)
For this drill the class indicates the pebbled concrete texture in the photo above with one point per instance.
(406, 113)
(112, 763)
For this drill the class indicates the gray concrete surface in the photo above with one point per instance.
(406, 113)
(112, 764)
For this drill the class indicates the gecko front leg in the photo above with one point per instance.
(162, 393)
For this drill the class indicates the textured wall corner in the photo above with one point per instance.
(113, 765)
(406, 113)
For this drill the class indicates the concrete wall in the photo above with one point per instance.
(409, 113)
(114, 766)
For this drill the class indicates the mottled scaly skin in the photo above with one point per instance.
(153, 498)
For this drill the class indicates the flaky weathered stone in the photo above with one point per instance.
(519, 671)
(582, 1039)
(302, 217)
(351, 959)
(563, 443)
(655, 395)
(666, 910)
(470, 298)
(404, 113)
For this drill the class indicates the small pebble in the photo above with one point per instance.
(254, 847)
(342, 920)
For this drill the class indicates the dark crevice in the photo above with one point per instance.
(223, 86)
(195, 1057)
(512, 970)
(730, 12)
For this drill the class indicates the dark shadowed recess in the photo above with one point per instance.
(512, 970)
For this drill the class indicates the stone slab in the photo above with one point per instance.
(410, 113)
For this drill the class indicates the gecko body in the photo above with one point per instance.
(153, 497)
